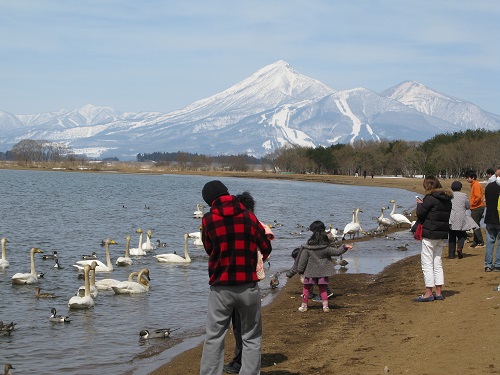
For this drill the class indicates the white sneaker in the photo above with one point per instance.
(303, 308)
(326, 309)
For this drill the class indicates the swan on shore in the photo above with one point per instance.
(101, 267)
(28, 278)
(85, 301)
(134, 287)
(398, 218)
(58, 318)
(148, 246)
(107, 284)
(353, 227)
(4, 263)
(126, 260)
(174, 258)
(384, 221)
(138, 250)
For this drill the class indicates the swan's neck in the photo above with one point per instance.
(140, 241)
(33, 270)
(142, 280)
(186, 255)
(92, 279)
(108, 258)
(393, 208)
(87, 282)
(4, 257)
(127, 248)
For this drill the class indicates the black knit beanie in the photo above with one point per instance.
(212, 190)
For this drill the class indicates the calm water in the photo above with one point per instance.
(72, 212)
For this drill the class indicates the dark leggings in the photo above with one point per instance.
(477, 214)
(456, 240)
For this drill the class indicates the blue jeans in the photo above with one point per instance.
(492, 236)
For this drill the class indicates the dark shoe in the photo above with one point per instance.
(474, 245)
(451, 257)
(488, 269)
(460, 254)
(232, 368)
(439, 298)
(424, 299)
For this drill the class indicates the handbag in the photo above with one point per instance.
(417, 234)
(260, 266)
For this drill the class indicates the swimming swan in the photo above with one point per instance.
(398, 218)
(138, 250)
(58, 318)
(4, 262)
(200, 211)
(101, 267)
(174, 258)
(126, 260)
(148, 246)
(85, 301)
(134, 287)
(28, 278)
(107, 284)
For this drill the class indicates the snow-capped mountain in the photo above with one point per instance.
(273, 107)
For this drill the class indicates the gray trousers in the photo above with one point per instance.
(477, 215)
(221, 302)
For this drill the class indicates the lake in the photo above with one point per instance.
(71, 213)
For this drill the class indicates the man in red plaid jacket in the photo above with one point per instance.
(231, 236)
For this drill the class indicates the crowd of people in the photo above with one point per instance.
(237, 243)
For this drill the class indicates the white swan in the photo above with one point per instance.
(134, 287)
(28, 278)
(174, 258)
(148, 245)
(101, 267)
(138, 250)
(4, 263)
(197, 239)
(196, 234)
(107, 284)
(200, 211)
(353, 227)
(126, 260)
(398, 218)
(85, 301)
(384, 221)
(93, 290)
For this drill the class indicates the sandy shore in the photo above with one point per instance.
(374, 327)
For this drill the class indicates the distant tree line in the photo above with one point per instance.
(448, 155)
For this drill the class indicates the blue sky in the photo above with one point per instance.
(141, 55)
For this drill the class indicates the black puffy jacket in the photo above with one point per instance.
(434, 212)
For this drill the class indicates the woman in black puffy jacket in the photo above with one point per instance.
(434, 212)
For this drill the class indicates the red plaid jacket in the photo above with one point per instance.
(231, 235)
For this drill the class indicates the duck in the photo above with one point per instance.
(7, 369)
(107, 284)
(44, 295)
(398, 218)
(200, 211)
(50, 256)
(57, 264)
(4, 263)
(93, 290)
(274, 282)
(58, 318)
(7, 327)
(28, 278)
(85, 301)
(126, 260)
(134, 287)
(138, 250)
(160, 244)
(384, 221)
(158, 333)
(148, 246)
(90, 257)
(101, 267)
(403, 247)
(342, 262)
(174, 258)
(353, 227)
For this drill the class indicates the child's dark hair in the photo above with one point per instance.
(319, 236)
(247, 200)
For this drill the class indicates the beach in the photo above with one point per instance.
(374, 327)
